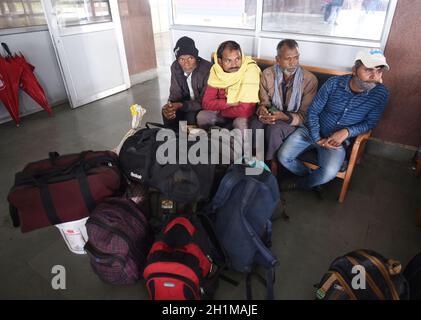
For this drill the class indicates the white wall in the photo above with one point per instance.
(327, 55)
(160, 13)
(38, 50)
(336, 56)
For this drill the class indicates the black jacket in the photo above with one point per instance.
(179, 90)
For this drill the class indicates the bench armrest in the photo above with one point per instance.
(361, 138)
(358, 148)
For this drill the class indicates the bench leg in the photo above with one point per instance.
(361, 152)
(347, 179)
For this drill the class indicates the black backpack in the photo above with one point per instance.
(137, 155)
(182, 183)
(383, 278)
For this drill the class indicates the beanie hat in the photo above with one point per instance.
(184, 46)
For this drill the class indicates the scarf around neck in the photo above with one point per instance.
(242, 85)
(295, 100)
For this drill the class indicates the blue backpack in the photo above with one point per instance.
(242, 210)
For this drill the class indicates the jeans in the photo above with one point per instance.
(329, 160)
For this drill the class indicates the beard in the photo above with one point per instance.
(364, 85)
(290, 71)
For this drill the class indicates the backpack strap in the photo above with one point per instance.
(270, 280)
(249, 192)
(155, 124)
(268, 283)
(267, 255)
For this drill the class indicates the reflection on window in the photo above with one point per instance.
(21, 13)
(216, 13)
(360, 19)
(81, 12)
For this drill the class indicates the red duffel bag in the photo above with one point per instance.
(63, 188)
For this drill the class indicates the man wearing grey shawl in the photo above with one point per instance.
(286, 91)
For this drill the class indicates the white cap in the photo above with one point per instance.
(372, 58)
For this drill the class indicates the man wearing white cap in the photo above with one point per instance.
(344, 107)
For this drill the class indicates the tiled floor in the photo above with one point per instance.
(378, 213)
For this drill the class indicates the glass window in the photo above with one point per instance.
(81, 12)
(215, 13)
(359, 19)
(21, 13)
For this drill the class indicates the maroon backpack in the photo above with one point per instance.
(63, 188)
(119, 239)
(185, 261)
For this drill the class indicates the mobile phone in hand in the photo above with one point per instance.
(272, 109)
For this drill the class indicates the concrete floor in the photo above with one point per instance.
(378, 213)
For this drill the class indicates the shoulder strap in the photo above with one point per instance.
(210, 230)
(250, 191)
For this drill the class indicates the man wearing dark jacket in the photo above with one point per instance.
(189, 77)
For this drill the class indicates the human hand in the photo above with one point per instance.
(262, 111)
(325, 144)
(271, 118)
(338, 137)
(169, 111)
(177, 105)
(279, 115)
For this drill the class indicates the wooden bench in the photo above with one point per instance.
(354, 152)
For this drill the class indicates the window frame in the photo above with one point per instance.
(252, 29)
(258, 32)
(21, 29)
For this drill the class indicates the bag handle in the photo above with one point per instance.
(13, 211)
(6, 48)
(181, 221)
(155, 124)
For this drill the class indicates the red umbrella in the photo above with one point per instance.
(10, 74)
(30, 84)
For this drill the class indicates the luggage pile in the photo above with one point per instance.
(179, 227)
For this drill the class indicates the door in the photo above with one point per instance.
(89, 45)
